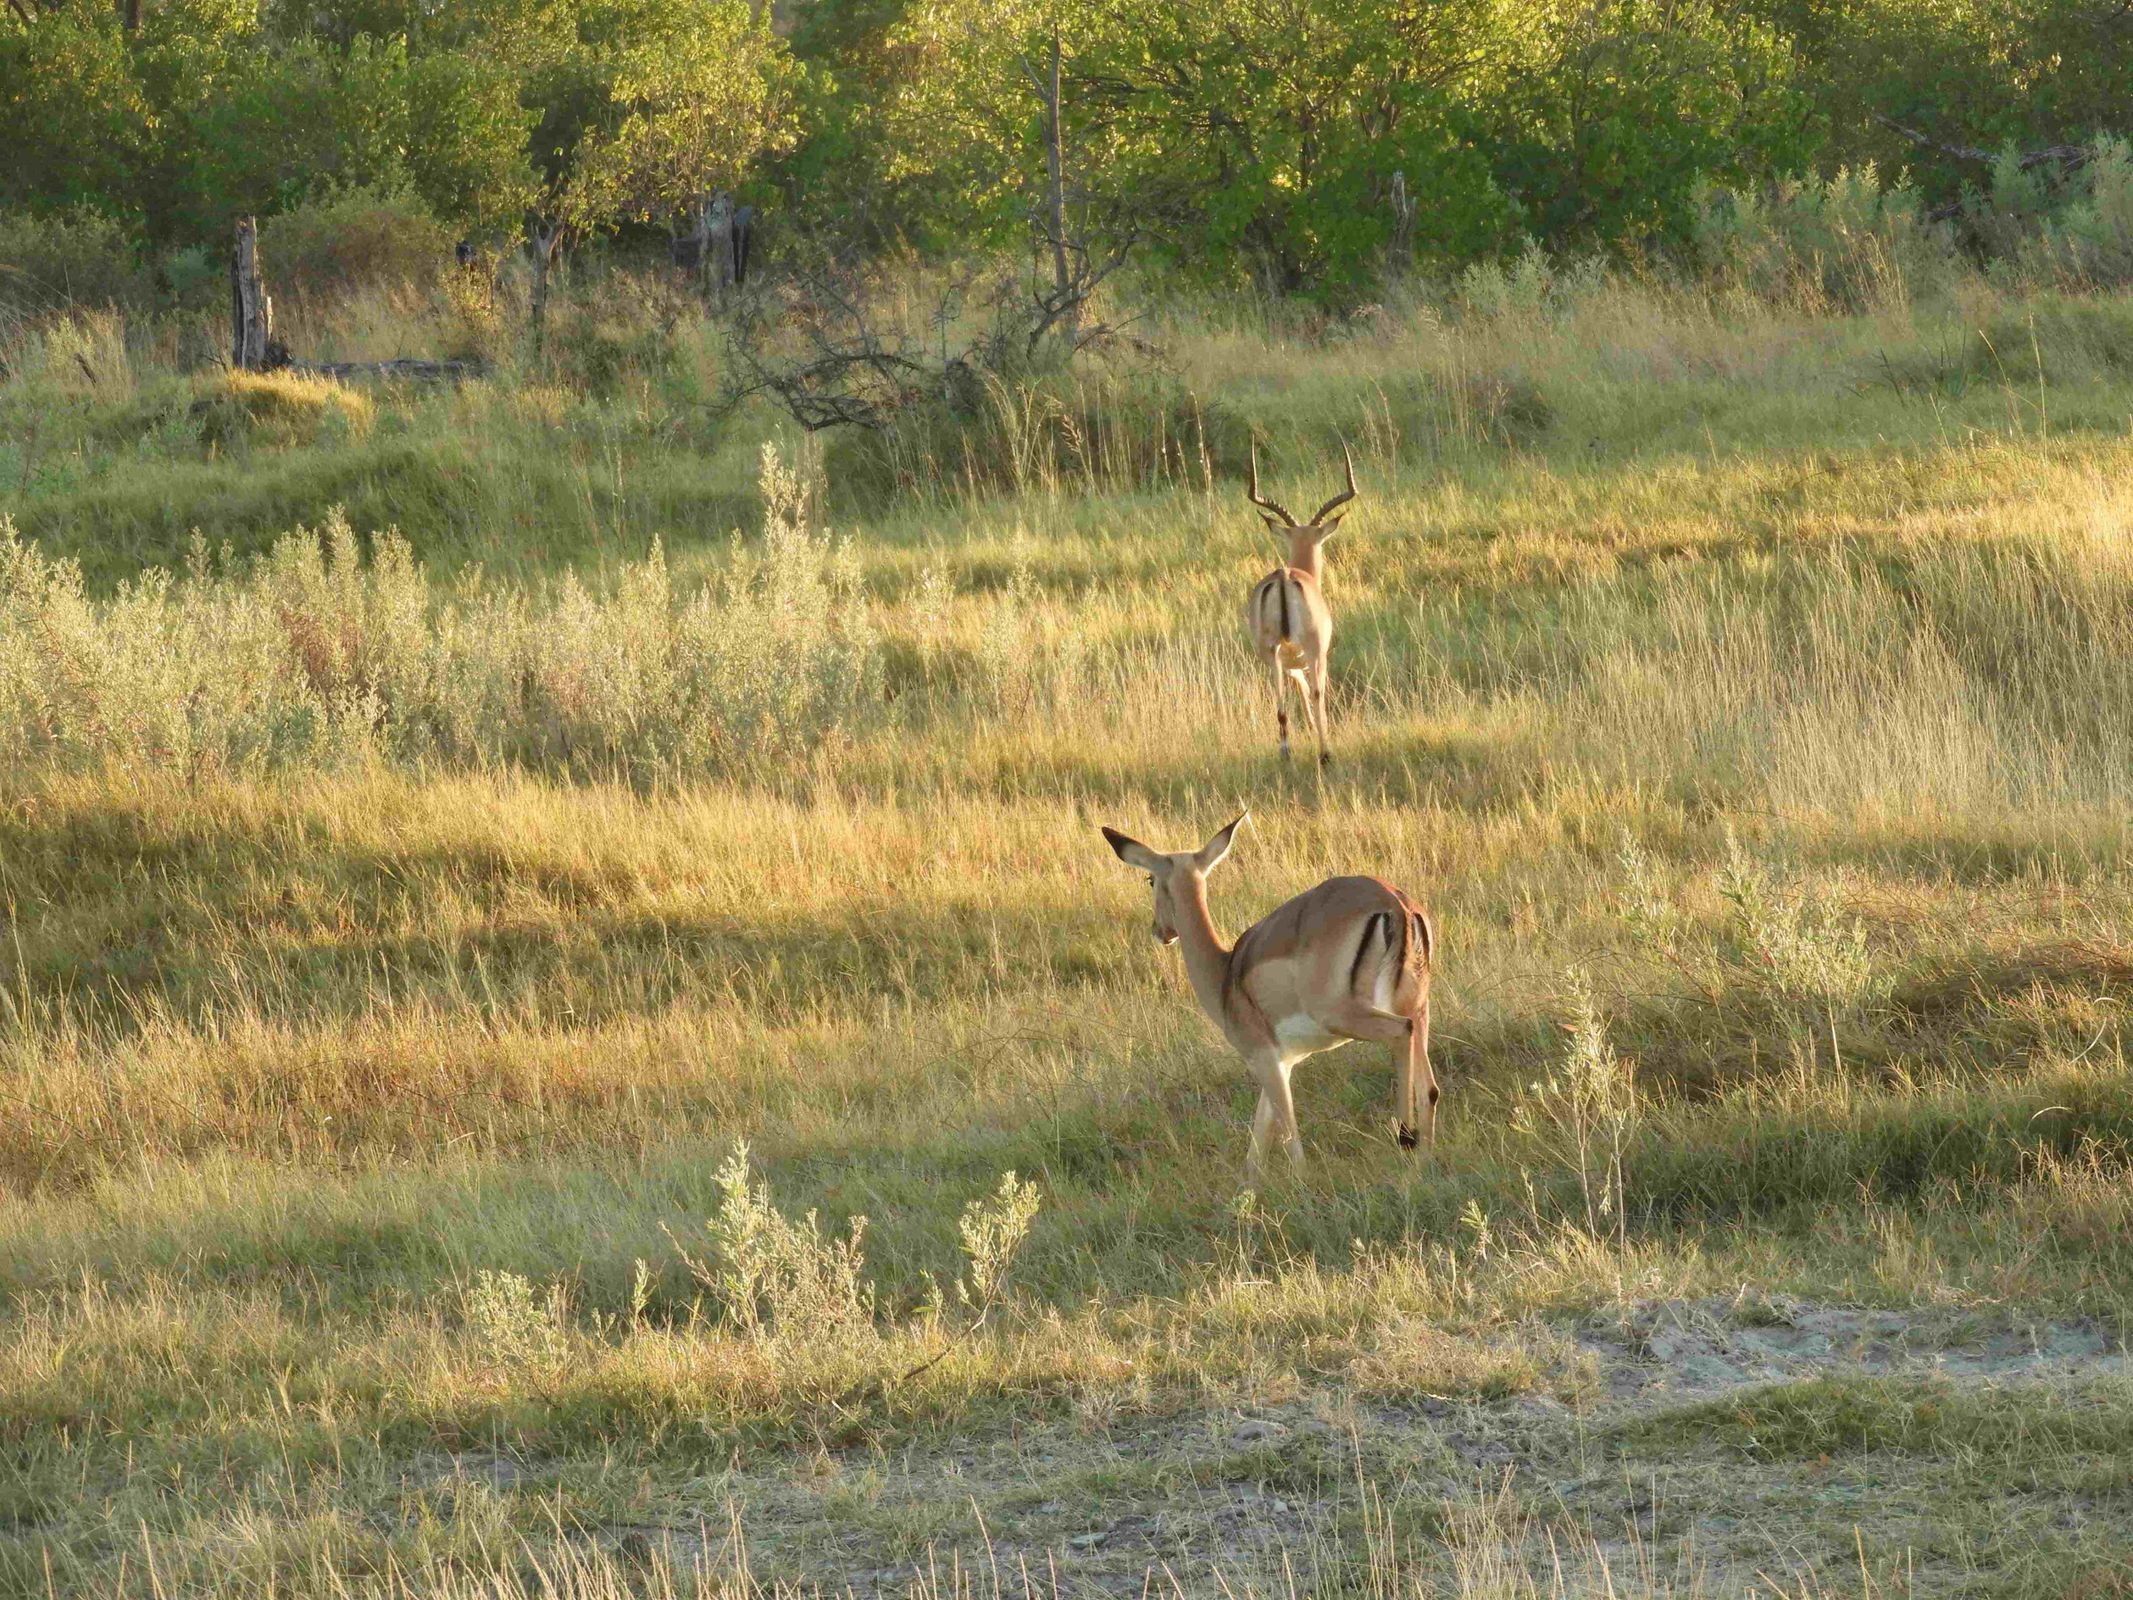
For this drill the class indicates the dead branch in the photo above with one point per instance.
(851, 372)
(2069, 158)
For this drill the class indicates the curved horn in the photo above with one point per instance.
(1339, 499)
(1265, 505)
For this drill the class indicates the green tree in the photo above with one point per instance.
(1622, 111)
(1262, 137)
(690, 94)
(78, 118)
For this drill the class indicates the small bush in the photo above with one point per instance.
(2077, 234)
(80, 258)
(353, 238)
(1002, 436)
(628, 331)
(279, 409)
(1844, 242)
(196, 279)
(519, 1332)
(804, 1295)
(780, 1278)
(313, 656)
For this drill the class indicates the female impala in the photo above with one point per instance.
(1349, 959)
(1291, 627)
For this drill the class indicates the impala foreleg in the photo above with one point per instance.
(1274, 1119)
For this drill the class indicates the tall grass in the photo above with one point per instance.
(398, 954)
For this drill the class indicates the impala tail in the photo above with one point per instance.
(1394, 945)
(1276, 605)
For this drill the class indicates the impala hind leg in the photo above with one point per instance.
(1314, 689)
(1418, 1085)
(1281, 705)
(1414, 1085)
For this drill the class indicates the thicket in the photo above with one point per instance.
(1305, 146)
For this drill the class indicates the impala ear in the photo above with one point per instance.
(1212, 852)
(1330, 523)
(1134, 853)
(1273, 521)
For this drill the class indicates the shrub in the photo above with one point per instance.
(79, 258)
(196, 279)
(1845, 241)
(602, 338)
(1098, 435)
(353, 238)
(313, 656)
(2078, 235)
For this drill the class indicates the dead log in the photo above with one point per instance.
(406, 369)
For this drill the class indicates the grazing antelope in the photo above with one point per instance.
(1349, 959)
(1291, 627)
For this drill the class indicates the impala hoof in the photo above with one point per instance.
(1409, 1139)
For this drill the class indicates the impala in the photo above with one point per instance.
(1349, 959)
(1291, 626)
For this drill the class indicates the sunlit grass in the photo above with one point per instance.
(373, 939)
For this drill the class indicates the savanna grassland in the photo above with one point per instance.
(462, 987)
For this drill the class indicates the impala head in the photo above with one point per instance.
(1323, 521)
(1170, 872)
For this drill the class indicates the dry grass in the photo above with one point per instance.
(393, 960)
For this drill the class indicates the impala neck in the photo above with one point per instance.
(1206, 957)
(1303, 551)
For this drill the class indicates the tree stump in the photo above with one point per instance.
(252, 344)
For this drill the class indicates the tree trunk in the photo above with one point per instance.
(544, 237)
(1055, 195)
(251, 312)
(1403, 224)
(718, 247)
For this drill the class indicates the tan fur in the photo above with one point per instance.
(1291, 625)
(1349, 959)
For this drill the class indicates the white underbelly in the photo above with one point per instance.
(1301, 1036)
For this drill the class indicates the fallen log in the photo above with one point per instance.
(407, 369)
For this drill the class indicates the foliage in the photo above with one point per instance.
(774, 1275)
(2075, 231)
(1965, 74)
(1267, 137)
(1266, 144)
(344, 239)
(597, 110)
(1847, 241)
(64, 259)
(690, 98)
